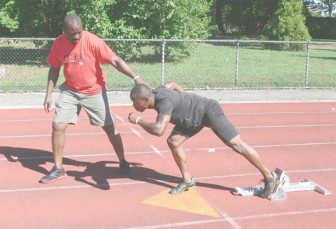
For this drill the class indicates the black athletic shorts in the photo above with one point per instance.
(215, 119)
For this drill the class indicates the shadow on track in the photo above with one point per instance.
(96, 174)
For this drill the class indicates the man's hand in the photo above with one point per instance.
(47, 104)
(174, 86)
(139, 81)
(133, 118)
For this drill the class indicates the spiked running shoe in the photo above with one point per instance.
(54, 174)
(183, 186)
(125, 167)
(270, 187)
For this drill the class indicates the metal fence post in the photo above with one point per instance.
(163, 62)
(237, 65)
(307, 65)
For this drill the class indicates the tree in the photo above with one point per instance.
(145, 19)
(243, 16)
(95, 15)
(167, 19)
(331, 5)
(39, 18)
(8, 17)
(110, 18)
(218, 4)
(321, 7)
(288, 24)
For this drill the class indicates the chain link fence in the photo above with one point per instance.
(195, 64)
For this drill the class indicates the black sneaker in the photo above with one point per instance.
(183, 186)
(54, 174)
(125, 167)
(270, 187)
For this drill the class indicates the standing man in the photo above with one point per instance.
(190, 113)
(81, 54)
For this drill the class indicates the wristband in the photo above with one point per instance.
(137, 120)
(136, 77)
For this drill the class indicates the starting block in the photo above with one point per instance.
(284, 186)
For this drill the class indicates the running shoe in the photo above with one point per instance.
(183, 186)
(54, 174)
(270, 187)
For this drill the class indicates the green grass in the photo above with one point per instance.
(208, 66)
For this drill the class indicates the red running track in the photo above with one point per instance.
(299, 138)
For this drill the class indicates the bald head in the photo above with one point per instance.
(142, 97)
(72, 19)
(141, 91)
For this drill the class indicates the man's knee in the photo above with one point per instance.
(175, 141)
(59, 127)
(171, 142)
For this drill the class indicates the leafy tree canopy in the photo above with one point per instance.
(109, 18)
(288, 23)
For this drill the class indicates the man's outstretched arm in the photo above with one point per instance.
(119, 64)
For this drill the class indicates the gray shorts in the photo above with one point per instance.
(215, 119)
(69, 104)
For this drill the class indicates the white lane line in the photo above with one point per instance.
(287, 126)
(143, 182)
(281, 112)
(295, 144)
(17, 158)
(68, 187)
(202, 222)
(227, 113)
(229, 219)
(258, 174)
(160, 152)
(49, 135)
(285, 214)
(138, 132)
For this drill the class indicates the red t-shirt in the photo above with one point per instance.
(82, 62)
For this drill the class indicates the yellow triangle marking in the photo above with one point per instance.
(188, 201)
